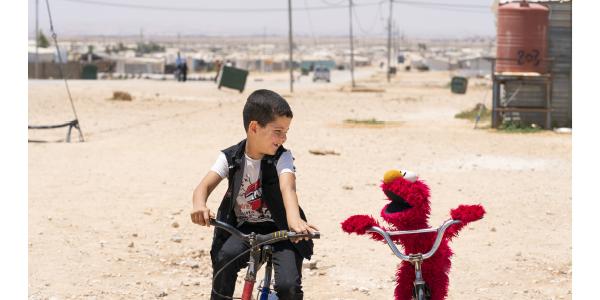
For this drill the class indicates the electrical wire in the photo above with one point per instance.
(210, 10)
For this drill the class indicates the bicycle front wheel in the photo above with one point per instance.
(421, 292)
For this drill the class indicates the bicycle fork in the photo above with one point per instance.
(257, 259)
(420, 289)
(266, 257)
(253, 262)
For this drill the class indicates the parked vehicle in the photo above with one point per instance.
(321, 73)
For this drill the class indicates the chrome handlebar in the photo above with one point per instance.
(438, 240)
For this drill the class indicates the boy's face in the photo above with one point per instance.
(271, 136)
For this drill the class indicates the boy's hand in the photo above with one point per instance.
(300, 226)
(201, 216)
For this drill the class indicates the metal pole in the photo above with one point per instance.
(37, 35)
(291, 45)
(389, 42)
(264, 54)
(351, 46)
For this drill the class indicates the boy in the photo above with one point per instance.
(261, 197)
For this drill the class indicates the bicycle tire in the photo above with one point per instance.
(421, 292)
(421, 295)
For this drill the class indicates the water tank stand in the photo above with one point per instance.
(498, 111)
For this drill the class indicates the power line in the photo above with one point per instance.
(454, 7)
(328, 6)
(210, 10)
(379, 16)
(440, 4)
(333, 4)
(310, 24)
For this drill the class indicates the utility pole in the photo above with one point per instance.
(395, 41)
(37, 35)
(291, 46)
(264, 53)
(351, 46)
(141, 39)
(389, 42)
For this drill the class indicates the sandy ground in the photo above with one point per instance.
(109, 218)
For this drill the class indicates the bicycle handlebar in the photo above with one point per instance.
(264, 238)
(438, 239)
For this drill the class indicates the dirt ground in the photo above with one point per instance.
(109, 218)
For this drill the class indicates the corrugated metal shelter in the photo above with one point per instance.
(48, 70)
(140, 65)
(311, 64)
(533, 93)
(474, 66)
(560, 49)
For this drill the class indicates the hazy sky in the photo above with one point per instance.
(415, 18)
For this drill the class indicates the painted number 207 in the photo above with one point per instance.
(528, 57)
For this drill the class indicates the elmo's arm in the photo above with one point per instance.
(359, 224)
(466, 214)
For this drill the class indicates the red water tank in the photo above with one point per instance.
(522, 38)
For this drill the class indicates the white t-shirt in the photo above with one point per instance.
(249, 206)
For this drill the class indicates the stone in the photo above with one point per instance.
(190, 263)
(120, 95)
(311, 265)
(162, 294)
(176, 238)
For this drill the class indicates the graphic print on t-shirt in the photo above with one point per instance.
(251, 206)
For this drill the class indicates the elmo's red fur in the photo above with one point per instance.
(409, 210)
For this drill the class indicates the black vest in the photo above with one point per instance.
(271, 195)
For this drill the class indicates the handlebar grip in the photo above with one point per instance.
(314, 235)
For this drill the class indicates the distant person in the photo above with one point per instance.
(179, 62)
(218, 65)
(184, 70)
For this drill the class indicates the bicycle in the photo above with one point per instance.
(260, 254)
(420, 289)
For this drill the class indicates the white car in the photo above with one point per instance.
(321, 73)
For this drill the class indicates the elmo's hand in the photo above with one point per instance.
(358, 224)
(467, 213)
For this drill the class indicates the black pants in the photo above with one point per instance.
(287, 263)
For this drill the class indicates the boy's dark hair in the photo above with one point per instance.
(263, 106)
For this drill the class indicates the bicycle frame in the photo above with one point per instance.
(257, 256)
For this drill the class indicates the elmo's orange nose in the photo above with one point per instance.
(390, 175)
